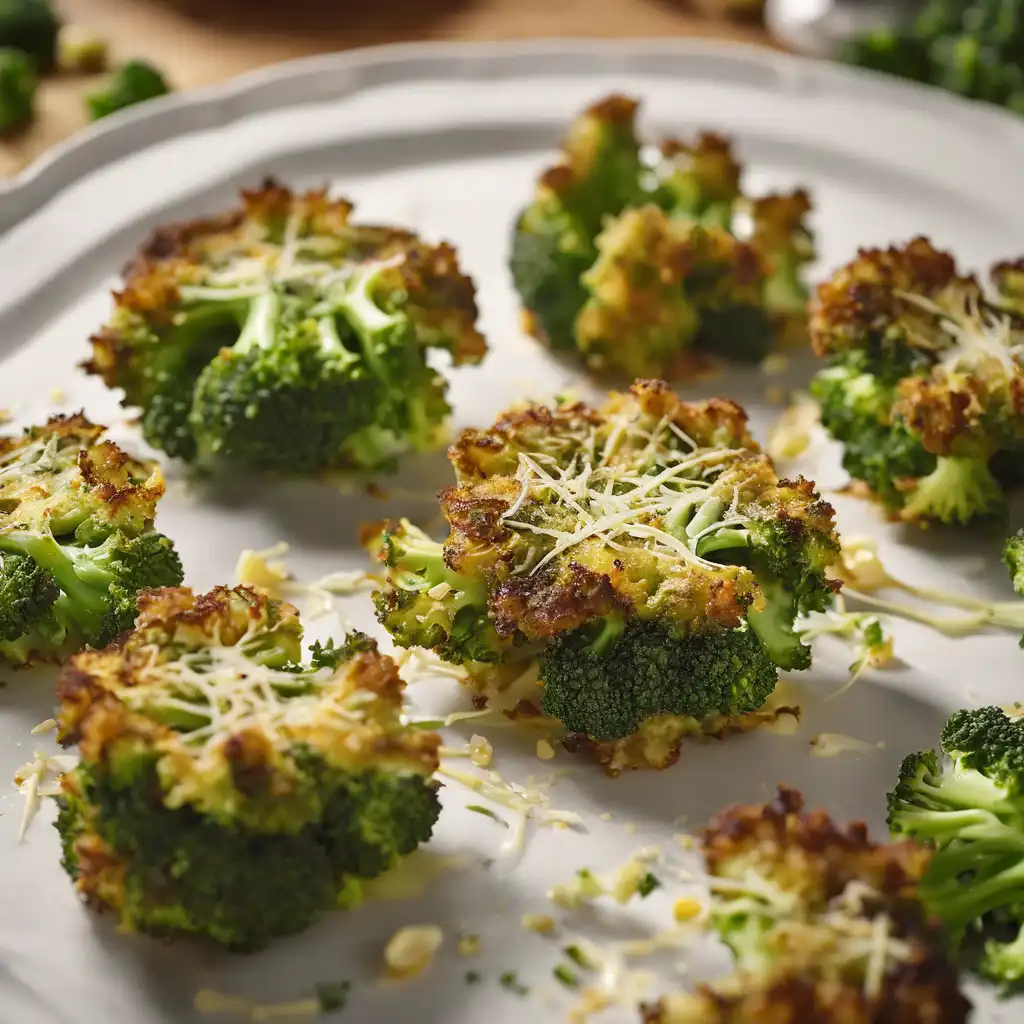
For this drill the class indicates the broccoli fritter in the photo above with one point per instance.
(924, 386)
(282, 336)
(642, 557)
(226, 787)
(640, 264)
(968, 806)
(825, 926)
(77, 542)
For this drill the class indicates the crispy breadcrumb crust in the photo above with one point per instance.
(94, 686)
(806, 854)
(592, 580)
(104, 479)
(864, 296)
(183, 253)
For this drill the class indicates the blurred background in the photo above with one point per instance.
(64, 63)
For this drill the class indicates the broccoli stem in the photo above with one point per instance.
(611, 629)
(957, 490)
(725, 539)
(675, 522)
(261, 323)
(708, 514)
(966, 903)
(330, 341)
(86, 599)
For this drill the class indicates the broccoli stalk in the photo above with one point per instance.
(959, 489)
(98, 584)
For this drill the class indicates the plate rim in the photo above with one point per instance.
(349, 72)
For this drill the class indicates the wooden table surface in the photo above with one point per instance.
(197, 42)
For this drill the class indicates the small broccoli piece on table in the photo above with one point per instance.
(226, 788)
(966, 804)
(31, 27)
(634, 263)
(18, 86)
(80, 50)
(921, 386)
(641, 560)
(77, 542)
(283, 337)
(133, 82)
(824, 924)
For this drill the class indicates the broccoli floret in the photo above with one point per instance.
(1013, 559)
(30, 27)
(969, 47)
(428, 604)
(970, 812)
(606, 688)
(133, 82)
(18, 86)
(77, 542)
(282, 337)
(226, 789)
(642, 559)
(824, 925)
(922, 370)
(80, 50)
(633, 265)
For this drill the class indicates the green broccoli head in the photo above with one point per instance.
(633, 262)
(76, 540)
(921, 384)
(30, 27)
(652, 513)
(824, 924)
(606, 687)
(700, 181)
(133, 82)
(967, 807)
(227, 789)
(18, 86)
(283, 337)
(427, 604)
(1013, 559)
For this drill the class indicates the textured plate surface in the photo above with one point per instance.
(448, 139)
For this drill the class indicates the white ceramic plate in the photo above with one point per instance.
(449, 139)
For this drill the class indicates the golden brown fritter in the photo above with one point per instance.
(63, 469)
(871, 294)
(153, 687)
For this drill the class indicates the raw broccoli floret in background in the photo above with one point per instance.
(974, 48)
(133, 82)
(642, 559)
(31, 26)
(824, 924)
(77, 542)
(226, 786)
(282, 336)
(967, 803)
(924, 381)
(636, 263)
(18, 86)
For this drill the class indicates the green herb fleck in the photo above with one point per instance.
(566, 976)
(647, 885)
(578, 957)
(472, 977)
(510, 980)
(428, 723)
(332, 995)
(487, 813)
